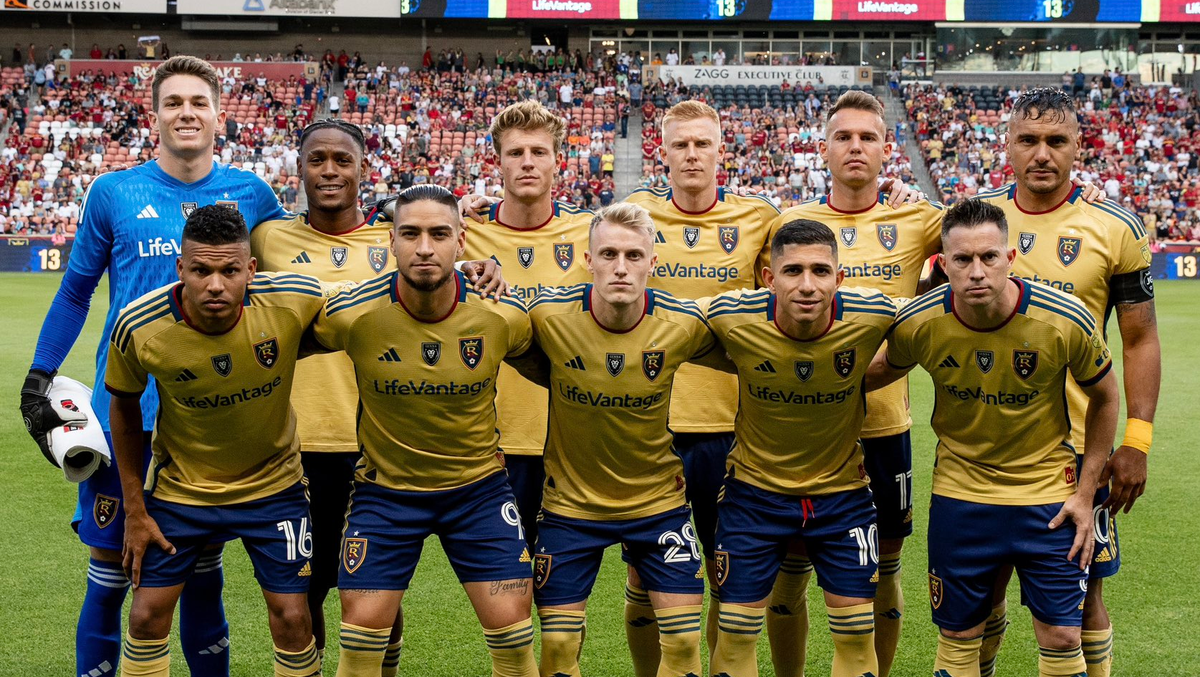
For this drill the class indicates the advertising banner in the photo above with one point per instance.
(383, 9)
(766, 75)
(88, 6)
(144, 70)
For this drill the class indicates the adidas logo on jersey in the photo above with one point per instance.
(766, 367)
(306, 570)
(390, 355)
(576, 363)
(659, 238)
(302, 258)
(949, 362)
(184, 376)
(147, 213)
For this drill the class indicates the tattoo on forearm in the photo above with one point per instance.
(515, 587)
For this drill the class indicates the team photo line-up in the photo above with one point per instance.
(335, 386)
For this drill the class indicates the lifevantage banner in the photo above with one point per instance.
(384, 9)
(765, 75)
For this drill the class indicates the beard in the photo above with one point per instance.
(428, 285)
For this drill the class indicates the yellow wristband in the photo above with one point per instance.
(1138, 434)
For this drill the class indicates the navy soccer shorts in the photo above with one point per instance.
(888, 461)
(703, 456)
(526, 475)
(99, 514)
(330, 478)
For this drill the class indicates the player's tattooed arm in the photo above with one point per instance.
(141, 531)
(1142, 356)
(533, 365)
(882, 372)
(1100, 426)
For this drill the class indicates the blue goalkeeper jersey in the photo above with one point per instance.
(131, 225)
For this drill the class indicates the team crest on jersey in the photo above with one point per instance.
(1068, 249)
(222, 364)
(564, 255)
(188, 207)
(804, 369)
(652, 363)
(525, 256)
(843, 362)
(354, 553)
(729, 238)
(936, 591)
(849, 235)
(541, 569)
(471, 351)
(985, 360)
(1025, 363)
(105, 510)
(691, 236)
(377, 257)
(722, 562)
(615, 363)
(431, 352)
(887, 235)
(338, 255)
(267, 352)
(1025, 242)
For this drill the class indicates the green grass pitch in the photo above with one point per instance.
(1154, 601)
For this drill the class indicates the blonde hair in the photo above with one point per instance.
(186, 65)
(857, 100)
(623, 214)
(691, 110)
(528, 116)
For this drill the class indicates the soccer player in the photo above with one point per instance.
(885, 248)
(611, 477)
(130, 226)
(1099, 253)
(221, 347)
(801, 347)
(426, 354)
(1006, 478)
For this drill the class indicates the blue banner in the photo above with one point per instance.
(33, 255)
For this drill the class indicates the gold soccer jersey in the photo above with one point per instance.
(325, 397)
(1004, 434)
(533, 257)
(225, 431)
(885, 249)
(427, 419)
(699, 255)
(608, 455)
(802, 404)
(1076, 248)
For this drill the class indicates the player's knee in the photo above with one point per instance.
(104, 554)
(149, 621)
(890, 546)
(963, 635)
(1059, 637)
(634, 579)
(291, 622)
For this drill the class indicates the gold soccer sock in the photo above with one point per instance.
(641, 632)
(391, 658)
(679, 634)
(993, 637)
(957, 657)
(853, 629)
(512, 650)
(562, 637)
(1056, 663)
(146, 657)
(737, 635)
(889, 611)
(303, 663)
(362, 650)
(1097, 651)
(787, 616)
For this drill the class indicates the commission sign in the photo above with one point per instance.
(766, 75)
(383, 9)
(88, 6)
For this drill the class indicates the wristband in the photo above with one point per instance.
(1138, 434)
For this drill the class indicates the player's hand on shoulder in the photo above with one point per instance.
(39, 414)
(899, 193)
(485, 277)
(1091, 192)
(141, 532)
(473, 207)
(1126, 469)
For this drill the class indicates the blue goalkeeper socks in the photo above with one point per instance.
(98, 635)
(203, 630)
